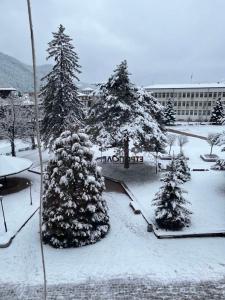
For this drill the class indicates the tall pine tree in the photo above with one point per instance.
(171, 212)
(74, 212)
(217, 114)
(169, 113)
(61, 105)
(123, 114)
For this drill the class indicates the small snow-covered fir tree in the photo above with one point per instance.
(124, 113)
(171, 212)
(74, 212)
(182, 169)
(169, 113)
(61, 105)
(217, 114)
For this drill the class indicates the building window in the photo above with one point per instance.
(204, 112)
(200, 103)
(191, 112)
(183, 112)
(205, 94)
(219, 94)
(209, 103)
(175, 103)
(179, 104)
(214, 95)
(192, 95)
(197, 95)
(179, 95)
(184, 95)
(199, 112)
(192, 103)
(196, 103)
(187, 105)
(210, 95)
(183, 103)
(188, 95)
(208, 112)
(195, 112)
(223, 94)
(201, 95)
(175, 95)
(163, 95)
(171, 95)
(167, 95)
(187, 112)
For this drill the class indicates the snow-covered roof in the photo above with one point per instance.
(12, 165)
(7, 89)
(186, 86)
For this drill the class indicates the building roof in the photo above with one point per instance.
(186, 86)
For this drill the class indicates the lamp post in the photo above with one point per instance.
(3, 213)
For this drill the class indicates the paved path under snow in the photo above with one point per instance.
(121, 289)
(186, 133)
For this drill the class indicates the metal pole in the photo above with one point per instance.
(3, 213)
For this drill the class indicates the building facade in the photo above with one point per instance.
(192, 102)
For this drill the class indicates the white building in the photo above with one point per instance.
(192, 102)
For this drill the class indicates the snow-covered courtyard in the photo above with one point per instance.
(128, 251)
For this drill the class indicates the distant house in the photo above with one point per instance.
(5, 92)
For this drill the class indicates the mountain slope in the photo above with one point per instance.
(14, 73)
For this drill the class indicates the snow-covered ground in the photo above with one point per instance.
(129, 250)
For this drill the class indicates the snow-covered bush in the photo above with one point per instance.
(171, 212)
(219, 165)
(74, 212)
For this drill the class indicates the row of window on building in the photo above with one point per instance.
(190, 95)
(191, 103)
(193, 112)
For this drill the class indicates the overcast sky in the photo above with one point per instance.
(164, 41)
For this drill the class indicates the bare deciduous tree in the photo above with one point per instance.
(182, 140)
(13, 122)
(171, 138)
(213, 139)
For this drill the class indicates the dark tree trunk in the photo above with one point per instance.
(33, 145)
(126, 153)
(13, 149)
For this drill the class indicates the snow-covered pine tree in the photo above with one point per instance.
(182, 169)
(169, 113)
(124, 113)
(61, 105)
(171, 213)
(74, 212)
(111, 116)
(217, 114)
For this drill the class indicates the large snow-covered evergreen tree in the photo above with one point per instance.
(169, 113)
(124, 113)
(74, 212)
(182, 169)
(217, 114)
(61, 105)
(171, 212)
